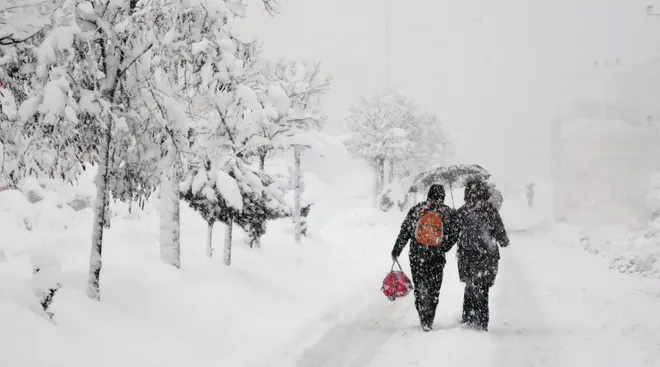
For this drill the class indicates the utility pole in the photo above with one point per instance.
(296, 208)
(390, 173)
(297, 220)
(387, 43)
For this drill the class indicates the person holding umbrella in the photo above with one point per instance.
(478, 229)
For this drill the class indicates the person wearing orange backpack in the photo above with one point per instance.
(425, 226)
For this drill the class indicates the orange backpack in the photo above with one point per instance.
(430, 227)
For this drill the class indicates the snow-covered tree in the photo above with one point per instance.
(29, 145)
(382, 128)
(246, 105)
(112, 84)
(199, 66)
(387, 128)
(432, 147)
(291, 101)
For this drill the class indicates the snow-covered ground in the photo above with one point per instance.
(553, 305)
(313, 304)
(152, 314)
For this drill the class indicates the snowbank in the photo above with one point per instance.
(152, 314)
(628, 249)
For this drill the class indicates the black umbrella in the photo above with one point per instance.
(452, 176)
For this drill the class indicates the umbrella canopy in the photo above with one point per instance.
(453, 176)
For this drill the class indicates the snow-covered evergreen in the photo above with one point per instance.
(234, 194)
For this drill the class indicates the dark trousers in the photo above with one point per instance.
(475, 305)
(427, 272)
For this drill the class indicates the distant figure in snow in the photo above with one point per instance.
(425, 228)
(530, 194)
(478, 229)
(496, 197)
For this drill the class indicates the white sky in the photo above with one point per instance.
(492, 70)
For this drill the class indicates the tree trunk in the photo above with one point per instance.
(209, 238)
(381, 174)
(95, 263)
(375, 189)
(296, 207)
(390, 172)
(254, 240)
(227, 252)
(379, 179)
(262, 159)
(170, 244)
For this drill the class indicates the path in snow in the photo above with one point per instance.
(553, 305)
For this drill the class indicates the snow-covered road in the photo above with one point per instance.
(553, 305)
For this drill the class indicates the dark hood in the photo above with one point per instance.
(476, 191)
(436, 193)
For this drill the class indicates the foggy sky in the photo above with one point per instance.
(493, 71)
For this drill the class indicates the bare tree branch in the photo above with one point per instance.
(271, 6)
(9, 40)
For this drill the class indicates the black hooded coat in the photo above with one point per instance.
(426, 262)
(478, 229)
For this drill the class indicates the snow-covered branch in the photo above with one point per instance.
(22, 20)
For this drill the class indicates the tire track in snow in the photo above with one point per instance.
(355, 342)
(516, 297)
(349, 319)
(529, 336)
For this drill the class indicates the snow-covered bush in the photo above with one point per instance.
(629, 250)
(238, 196)
(396, 194)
